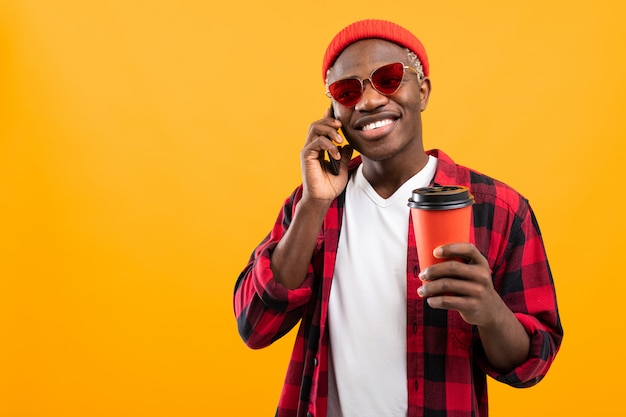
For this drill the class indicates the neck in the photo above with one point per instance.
(387, 176)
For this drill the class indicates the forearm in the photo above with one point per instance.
(292, 256)
(505, 341)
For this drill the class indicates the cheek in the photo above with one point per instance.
(350, 137)
(417, 107)
(413, 109)
(339, 112)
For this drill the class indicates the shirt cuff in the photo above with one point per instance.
(540, 356)
(274, 294)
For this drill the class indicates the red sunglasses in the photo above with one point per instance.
(386, 80)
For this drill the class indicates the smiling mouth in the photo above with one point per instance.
(377, 125)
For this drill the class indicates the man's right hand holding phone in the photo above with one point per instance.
(318, 178)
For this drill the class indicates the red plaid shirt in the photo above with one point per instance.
(446, 366)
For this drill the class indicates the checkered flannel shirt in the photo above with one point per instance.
(446, 365)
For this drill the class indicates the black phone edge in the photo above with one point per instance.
(334, 164)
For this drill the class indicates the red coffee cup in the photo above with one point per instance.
(441, 215)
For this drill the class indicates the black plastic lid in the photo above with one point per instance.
(441, 197)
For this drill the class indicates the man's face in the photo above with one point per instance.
(378, 126)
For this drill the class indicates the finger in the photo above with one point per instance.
(447, 286)
(321, 129)
(440, 270)
(449, 302)
(340, 159)
(330, 121)
(323, 143)
(317, 148)
(456, 270)
(463, 250)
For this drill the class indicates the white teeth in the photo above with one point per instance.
(377, 124)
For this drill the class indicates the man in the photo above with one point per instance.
(379, 337)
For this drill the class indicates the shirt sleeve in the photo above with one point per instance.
(525, 283)
(266, 310)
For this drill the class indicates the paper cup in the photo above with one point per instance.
(441, 215)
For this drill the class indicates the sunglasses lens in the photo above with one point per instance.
(347, 92)
(387, 79)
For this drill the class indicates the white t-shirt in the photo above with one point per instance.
(367, 307)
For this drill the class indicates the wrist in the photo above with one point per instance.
(500, 317)
(314, 205)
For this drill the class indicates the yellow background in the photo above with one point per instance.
(146, 146)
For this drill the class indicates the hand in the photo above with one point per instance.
(318, 181)
(468, 289)
(462, 286)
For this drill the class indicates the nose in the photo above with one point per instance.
(370, 99)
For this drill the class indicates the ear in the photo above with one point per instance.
(425, 89)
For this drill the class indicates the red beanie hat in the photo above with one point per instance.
(373, 29)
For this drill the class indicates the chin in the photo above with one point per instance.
(378, 155)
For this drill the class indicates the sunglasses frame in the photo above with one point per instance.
(361, 81)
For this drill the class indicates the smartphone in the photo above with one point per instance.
(334, 164)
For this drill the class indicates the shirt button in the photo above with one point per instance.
(315, 362)
(309, 414)
(415, 271)
(414, 327)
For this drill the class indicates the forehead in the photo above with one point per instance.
(362, 57)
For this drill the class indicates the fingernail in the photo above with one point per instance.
(438, 252)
